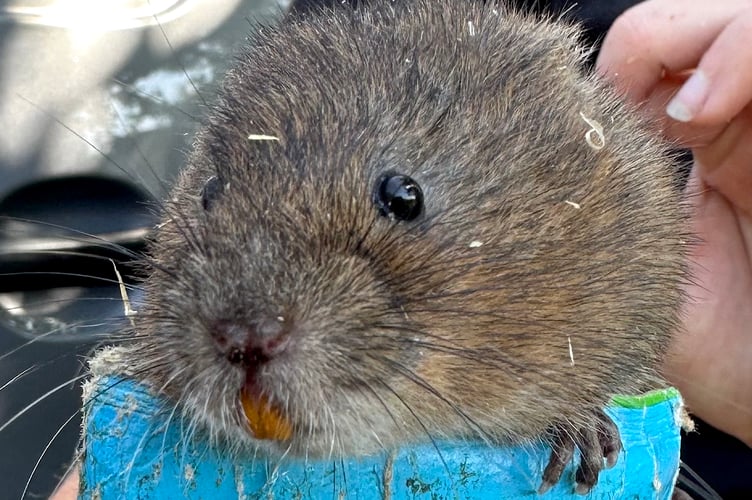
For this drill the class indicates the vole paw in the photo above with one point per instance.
(596, 442)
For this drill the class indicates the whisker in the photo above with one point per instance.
(133, 287)
(46, 302)
(44, 452)
(69, 470)
(696, 483)
(60, 273)
(39, 400)
(155, 98)
(99, 241)
(162, 184)
(84, 237)
(35, 368)
(424, 384)
(421, 424)
(175, 56)
(93, 146)
(499, 360)
(18, 376)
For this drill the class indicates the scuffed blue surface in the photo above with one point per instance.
(131, 452)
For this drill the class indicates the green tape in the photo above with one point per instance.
(646, 400)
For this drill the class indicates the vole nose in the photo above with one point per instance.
(250, 344)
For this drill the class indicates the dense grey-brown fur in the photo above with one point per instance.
(542, 278)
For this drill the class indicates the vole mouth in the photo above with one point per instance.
(265, 419)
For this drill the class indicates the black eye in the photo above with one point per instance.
(211, 191)
(398, 196)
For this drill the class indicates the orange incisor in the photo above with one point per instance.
(266, 421)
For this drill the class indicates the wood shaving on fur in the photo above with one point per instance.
(594, 136)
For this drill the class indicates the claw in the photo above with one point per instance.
(596, 442)
(562, 451)
(609, 439)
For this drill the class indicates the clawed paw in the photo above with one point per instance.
(599, 446)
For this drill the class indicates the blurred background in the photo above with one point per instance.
(98, 104)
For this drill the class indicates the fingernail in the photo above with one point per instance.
(689, 100)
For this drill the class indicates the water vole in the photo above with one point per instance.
(412, 222)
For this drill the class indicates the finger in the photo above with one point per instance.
(722, 84)
(725, 164)
(661, 35)
(68, 489)
(683, 134)
(705, 359)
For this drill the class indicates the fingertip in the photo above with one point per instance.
(688, 102)
(657, 38)
(727, 73)
(627, 58)
(679, 111)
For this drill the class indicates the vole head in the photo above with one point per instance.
(393, 229)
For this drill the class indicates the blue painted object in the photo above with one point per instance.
(131, 452)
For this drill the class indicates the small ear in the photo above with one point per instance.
(210, 193)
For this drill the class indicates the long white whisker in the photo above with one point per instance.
(40, 399)
(44, 452)
(17, 377)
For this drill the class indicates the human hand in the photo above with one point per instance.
(700, 54)
(68, 488)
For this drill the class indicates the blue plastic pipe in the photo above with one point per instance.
(132, 452)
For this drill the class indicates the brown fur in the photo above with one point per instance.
(404, 331)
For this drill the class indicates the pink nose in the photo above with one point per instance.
(250, 344)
